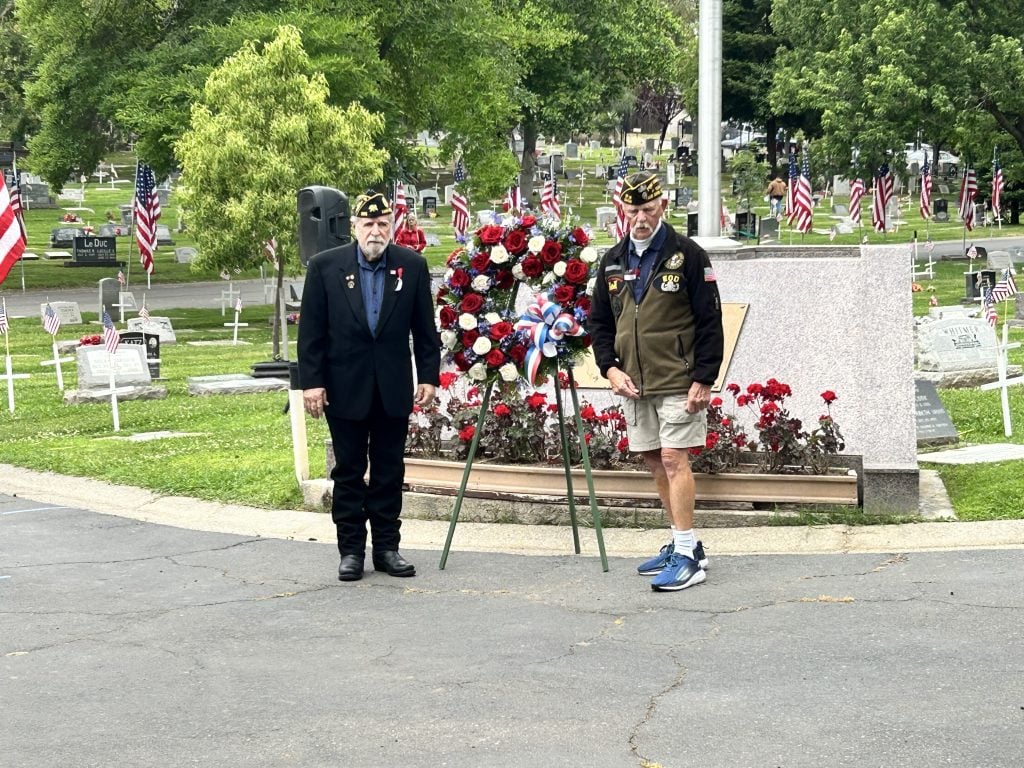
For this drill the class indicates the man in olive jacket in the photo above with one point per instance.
(360, 305)
(656, 325)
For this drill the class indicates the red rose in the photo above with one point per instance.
(471, 303)
(447, 378)
(576, 271)
(448, 316)
(564, 294)
(580, 236)
(500, 330)
(532, 266)
(459, 278)
(459, 358)
(829, 396)
(551, 252)
(468, 337)
(490, 234)
(481, 261)
(518, 353)
(504, 279)
(501, 410)
(495, 358)
(515, 242)
(583, 304)
(529, 220)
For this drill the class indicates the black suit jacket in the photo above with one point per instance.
(337, 351)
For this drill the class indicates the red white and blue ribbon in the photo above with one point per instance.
(546, 324)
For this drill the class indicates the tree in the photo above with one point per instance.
(262, 130)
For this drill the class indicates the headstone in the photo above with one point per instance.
(840, 210)
(595, 144)
(161, 326)
(941, 207)
(163, 235)
(184, 255)
(957, 311)
(943, 189)
(67, 311)
(448, 190)
(234, 384)
(840, 186)
(36, 195)
(151, 343)
(955, 344)
(94, 251)
(691, 224)
(670, 174)
(975, 282)
(164, 195)
(649, 145)
(746, 224)
(605, 217)
(109, 289)
(126, 214)
(844, 227)
(63, 237)
(572, 150)
(769, 227)
(429, 202)
(674, 143)
(998, 260)
(934, 427)
(129, 363)
(113, 230)
(53, 255)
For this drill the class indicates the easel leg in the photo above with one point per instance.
(567, 463)
(465, 475)
(595, 513)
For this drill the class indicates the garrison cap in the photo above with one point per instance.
(371, 205)
(640, 188)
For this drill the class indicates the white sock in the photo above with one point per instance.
(684, 541)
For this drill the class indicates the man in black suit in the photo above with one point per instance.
(360, 304)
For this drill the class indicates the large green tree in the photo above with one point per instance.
(262, 129)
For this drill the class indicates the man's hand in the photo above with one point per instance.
(314, 400)
(698, 397)
(424, 394)
(622, 385)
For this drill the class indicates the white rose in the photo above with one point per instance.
(536, 243)
(467, 321)
(508, 372)
(517, 272)
(559, 268)
(482, 345)
(492, 318)
(448, 339)
(499, 255)
(589, 254)
(478, 372)
(481, 283)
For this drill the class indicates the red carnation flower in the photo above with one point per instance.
(490, 234)
(576, 271)
(459, 358)
(495, 358)
(501, 410)
(466, 433)
(515, 242)
(583, 304)
(829, 396)
(551, 252)
(471, 303)
(623, 445)
(459, 279)
(716, 402)
(447, 316)
(588, 413)
(734, 388)
(536, 400)
(447, 378)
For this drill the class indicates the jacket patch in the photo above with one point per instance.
(668, 283)
(675, 261)
(614, 284)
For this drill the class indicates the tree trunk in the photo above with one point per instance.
(770, 129)
(527, 162)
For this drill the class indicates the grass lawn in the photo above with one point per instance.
(241, 452)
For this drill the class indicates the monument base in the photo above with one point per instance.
(974, 377)
(77, 396)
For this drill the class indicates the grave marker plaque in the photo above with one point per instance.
(129, 363)
(956, 344)
(161, 326)
(934, 427)
(93, 251)
(151, 343)
(68, 312)
(109, 291)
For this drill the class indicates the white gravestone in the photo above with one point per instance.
(157, 324)
(998, 260)
(956, 344)
(129, 364)
(68, 312)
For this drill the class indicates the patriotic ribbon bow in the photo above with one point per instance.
(546, 324)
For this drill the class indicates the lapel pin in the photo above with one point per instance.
(351, 280)
(398, 278)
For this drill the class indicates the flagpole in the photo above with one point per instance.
(57, 366)
(131, 223)
(7, 362)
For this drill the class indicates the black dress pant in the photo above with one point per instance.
(379, 440)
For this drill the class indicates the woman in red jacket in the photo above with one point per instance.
(410, 235)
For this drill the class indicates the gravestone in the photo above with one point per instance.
(448, 190)
(649, 145)
(94, 251)
(36, 195)
(52, 255)
(998, 260)
(691, 224)
(163, 195)
(746, 224)
(974, 283)
(234, 384)
(572, 150)
(151, 343)
(429, 202)
(129, 363)
(126, 214)
(934, 427)
(163, 235)
(67, 311)
(113, 230)
(161, 326)
(63, 237)
(840, 210)
(109, 290)
(184, 255)
(840, 186)
(941, 207)
(769, 227)
(605, 217)
(952, 312)
(957, 352)
(595, 144)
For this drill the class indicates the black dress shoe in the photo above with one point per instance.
(393, 564)
(351, 568)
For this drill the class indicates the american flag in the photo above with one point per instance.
(238, 304)
(881, 198)
(16, 199)
(513, 198)
(460, 214)
(3, 318)
(791, 189)
(926, 191)
(51, 321)
(111, 337)
(549, 199)
(989, 304)
(401, 208)
(998, 184)
(120, 277)
(270, 251)
(972, 252)
(12, 244)
(147, 212)
(968, 191)
(802, 211)
(144, 313)
(856, 193)
(460, 171)
(1005, 288)
(621, 225)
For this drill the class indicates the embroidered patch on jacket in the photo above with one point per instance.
(668, 283)
(709, 275)
(675, 262)
(614, 284)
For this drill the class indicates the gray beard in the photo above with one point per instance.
(372, 252)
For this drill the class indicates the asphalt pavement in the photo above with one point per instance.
(127, 641)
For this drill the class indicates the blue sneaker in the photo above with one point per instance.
(657, 563)
(679, 573)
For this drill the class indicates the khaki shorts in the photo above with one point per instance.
(661, 421)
